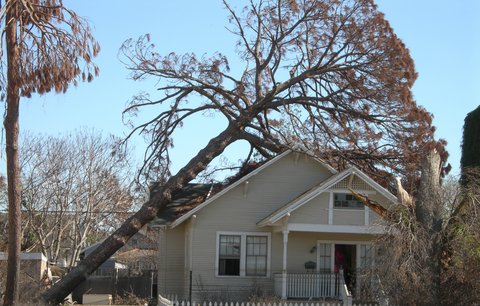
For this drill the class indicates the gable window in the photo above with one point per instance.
(345, 200)
(243, 254)
(229, 255)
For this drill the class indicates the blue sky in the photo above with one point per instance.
(443, 37)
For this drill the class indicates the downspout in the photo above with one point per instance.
(192, 231)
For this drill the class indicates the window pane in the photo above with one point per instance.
(263, 248)
(250, 263)
(229, 255)
(256, 249)
(262, 263)
(249, 248)
(366, 256)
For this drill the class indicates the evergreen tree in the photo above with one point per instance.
(470, 144)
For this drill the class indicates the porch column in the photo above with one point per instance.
(367, 216)
(284, 267)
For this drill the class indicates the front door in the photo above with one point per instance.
(345, 258)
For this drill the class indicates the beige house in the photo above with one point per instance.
(289, 228)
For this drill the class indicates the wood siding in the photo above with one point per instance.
(313, 212)
(172, 261)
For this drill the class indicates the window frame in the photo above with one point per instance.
(358, 207)
(230, 256)
(243, 253)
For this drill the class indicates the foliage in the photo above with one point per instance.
(471, 141)
(130, 299)
(30, 286)
(74, 191)
(329, 75)
(430, 256)
(55, 46)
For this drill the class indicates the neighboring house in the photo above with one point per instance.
(130, 271)
(137, 255)
(32, 265)
(288, 228)
(107, 268)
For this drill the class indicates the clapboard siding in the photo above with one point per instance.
(313, 212)
(349, 216)
(172, 261)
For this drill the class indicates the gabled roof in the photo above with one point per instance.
(209, 200)
(320, 188)
(182, 202)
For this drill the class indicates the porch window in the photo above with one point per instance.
(345, 200)
(325, 257)
(366, 256)
(229, 255)
(256, 257)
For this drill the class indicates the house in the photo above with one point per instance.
(289, 228)
(32, 266)
(108, 267)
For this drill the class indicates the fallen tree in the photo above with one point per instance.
(315, 71)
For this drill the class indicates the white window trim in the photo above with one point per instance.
(243, 252)
(361, 191)
(332, 250)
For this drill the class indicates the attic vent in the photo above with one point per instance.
(357, 184)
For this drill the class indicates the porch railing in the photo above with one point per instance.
(309, 285)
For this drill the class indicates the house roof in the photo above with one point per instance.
(136, 254)
(183, 201)
(320, 188)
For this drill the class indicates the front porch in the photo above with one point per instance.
(323, 265)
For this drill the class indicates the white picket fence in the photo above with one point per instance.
(166, 302)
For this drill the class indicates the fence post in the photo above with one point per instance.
(190, 288)
(115, 276)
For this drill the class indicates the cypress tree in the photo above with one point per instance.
(470, 144)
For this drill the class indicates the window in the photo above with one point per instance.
(229, 255)
(325, 257)
(344, 200)
(366, 255)
(256, 264)
(243, 254)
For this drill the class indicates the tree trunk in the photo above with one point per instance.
(13, 172)
(429, 216)
(147, 213)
